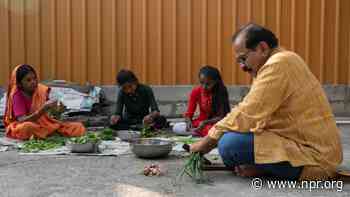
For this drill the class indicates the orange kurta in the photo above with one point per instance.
(41, 128)
(290, 116)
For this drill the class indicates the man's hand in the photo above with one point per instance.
(204, 146)
(114, 119)
(148, 119)
(196, 131)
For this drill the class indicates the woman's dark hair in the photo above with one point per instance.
(22, 71)
(220, 103)
(126, 76)
(254, 34)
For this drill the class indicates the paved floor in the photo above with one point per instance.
(60, 176)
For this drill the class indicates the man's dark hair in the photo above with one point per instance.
(254, 34)
(126, 76)
(22, 71)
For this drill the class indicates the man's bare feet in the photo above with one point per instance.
(248, 171)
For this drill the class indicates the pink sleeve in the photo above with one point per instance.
(19, 107)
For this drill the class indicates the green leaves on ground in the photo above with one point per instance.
(57, 141)
(36, 145)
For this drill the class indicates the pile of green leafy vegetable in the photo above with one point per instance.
(88, 138)
(106, 134)
(147, 132)
(193, 168)
(36, 145)
(56, 141)
(56, 113)
(94, 137)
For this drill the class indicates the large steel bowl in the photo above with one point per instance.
(151, 148)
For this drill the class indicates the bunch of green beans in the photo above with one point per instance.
(193, 168)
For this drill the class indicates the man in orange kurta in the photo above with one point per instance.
(42, 125)
(286, 111)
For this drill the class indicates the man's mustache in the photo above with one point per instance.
(245, 68)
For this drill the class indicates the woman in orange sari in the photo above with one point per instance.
(27, 105)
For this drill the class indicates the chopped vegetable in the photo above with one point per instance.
(89, 137)
(93, 137)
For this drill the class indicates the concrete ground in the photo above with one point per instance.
(61, 176)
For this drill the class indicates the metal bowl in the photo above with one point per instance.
(127, 135)
(151, 148)
(85, 148)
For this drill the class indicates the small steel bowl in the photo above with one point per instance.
(85, 148)
(151, 148)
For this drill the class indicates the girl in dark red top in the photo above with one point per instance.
(211, 97)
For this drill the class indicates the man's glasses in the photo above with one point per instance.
(243, 58)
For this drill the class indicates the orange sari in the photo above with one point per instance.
(41, 128)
